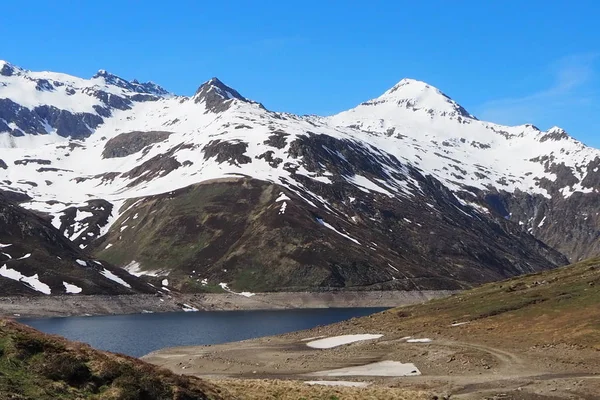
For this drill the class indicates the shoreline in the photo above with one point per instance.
(88, 305)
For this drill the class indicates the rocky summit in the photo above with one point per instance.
(215, 192)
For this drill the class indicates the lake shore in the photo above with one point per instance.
(78, 305)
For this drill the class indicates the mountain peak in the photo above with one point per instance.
(419, 95)
(7, 69)
(216, 95)
(220, 89)
(555, 133)
(134, 85)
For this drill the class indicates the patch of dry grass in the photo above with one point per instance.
(261, 389)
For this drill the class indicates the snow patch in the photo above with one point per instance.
(382, 368)
(188, 308)
(70, 288)
(81, 262)
(336, 341)
(282, 197)
(325, 224)
(31, 281)
(226, 288)
(109, 275)
(424, 340)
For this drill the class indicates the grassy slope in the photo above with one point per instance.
(556, 306)
(38, 367)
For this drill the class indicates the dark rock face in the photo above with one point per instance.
(3, 164)
(134, 86)
(109, 99)
(15, 197)
(569, 225)
(7, 70)
(131, 142)
(26, 161)
(159, 165)
(83, 231)
(216, 96)
(36, 247)
(233, 153)
(277, 139)
(34, 121)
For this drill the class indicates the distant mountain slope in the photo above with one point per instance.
(36, 259)
(355, 167)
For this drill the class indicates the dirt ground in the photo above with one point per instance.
(451, 364)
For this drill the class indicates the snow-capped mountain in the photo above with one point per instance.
(371, 197)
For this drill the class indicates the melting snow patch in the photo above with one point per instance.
(81, 262)
(459, 323)
(325, 224)
(108, 246)
(24, 257)
(109, 275)
(188, 308)
(382, 368)
(4, 245)
(312, 338)
(336, 341)
(283, 207)
(69, 288)
(165, 282)
(424, 340)
(282, 197)
(204, 282)
(31, 281)
(226, 288)
(338, 383)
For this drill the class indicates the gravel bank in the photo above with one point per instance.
(72, 305)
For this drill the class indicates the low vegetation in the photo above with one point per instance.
(262, 389)
(34, 366)
(556, 306)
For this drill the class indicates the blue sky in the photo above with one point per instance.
(507, 61)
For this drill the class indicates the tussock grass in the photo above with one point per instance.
(259, 389)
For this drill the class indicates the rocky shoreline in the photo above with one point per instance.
(79, 305)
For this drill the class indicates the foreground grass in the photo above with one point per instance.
(35, 366)
(259, 389)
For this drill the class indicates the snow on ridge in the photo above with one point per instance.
(109, 275)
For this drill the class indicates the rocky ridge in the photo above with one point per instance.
(411, 176)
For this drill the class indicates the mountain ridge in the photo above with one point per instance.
(413, 143)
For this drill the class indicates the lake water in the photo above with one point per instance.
(140, 334)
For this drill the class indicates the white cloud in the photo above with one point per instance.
(568, 87)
